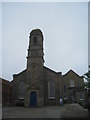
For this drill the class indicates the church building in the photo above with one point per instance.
(38, 85)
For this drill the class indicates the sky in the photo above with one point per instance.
(89, 35)
(65, 29)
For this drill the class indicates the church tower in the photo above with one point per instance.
(35, 62)
(35, 50)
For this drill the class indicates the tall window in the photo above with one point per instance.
(81, 96)
(51, 89)
(65, 90)
(21, 90)
(72, 83)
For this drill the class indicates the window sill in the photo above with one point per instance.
(51, 98)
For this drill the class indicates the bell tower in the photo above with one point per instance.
(35, 64)
(35, 50)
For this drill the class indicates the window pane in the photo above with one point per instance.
(51, 89)
(72, 83)
(21, 90)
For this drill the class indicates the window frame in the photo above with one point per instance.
(51, 84)
(21, 94)
(72, 83)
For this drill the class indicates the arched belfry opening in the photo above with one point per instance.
(35, 40)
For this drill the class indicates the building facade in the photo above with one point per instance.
(6, 92)
(38, 85)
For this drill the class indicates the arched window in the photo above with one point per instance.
(51, 89)
(21, 90)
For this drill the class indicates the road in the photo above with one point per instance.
(22, 112)
(73, 110)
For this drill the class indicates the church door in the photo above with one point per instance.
(33, 99)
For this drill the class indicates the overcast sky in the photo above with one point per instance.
(65, 31)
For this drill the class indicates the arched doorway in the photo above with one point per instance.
(33, 99)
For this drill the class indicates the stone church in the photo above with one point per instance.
(38, 85)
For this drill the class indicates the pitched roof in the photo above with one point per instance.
(72, 72)
(19, 73)
(52, 70)
(5, 82)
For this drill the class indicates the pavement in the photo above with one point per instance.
(45, 112)
(22, 112)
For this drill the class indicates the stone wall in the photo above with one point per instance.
(71, 91)
(6, 92)
(51, 75)
(17, 79)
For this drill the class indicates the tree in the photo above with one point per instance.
(87, 77)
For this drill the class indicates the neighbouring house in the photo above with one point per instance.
(6, 92)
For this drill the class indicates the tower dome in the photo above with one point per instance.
(36, 32)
